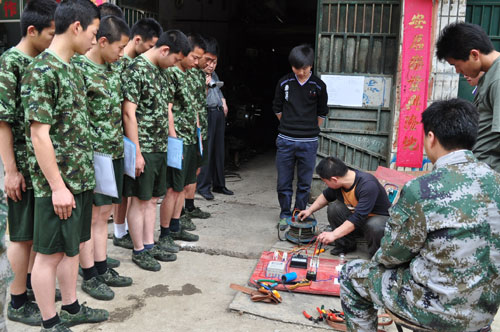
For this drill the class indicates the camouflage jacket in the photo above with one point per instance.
(445, 228)
(53, 92)
(181, 95)
(196, 80)
(104, 98)
(13, 64)
(143, 84)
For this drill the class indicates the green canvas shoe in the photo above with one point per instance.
(112, 263)
(96, 288)
(114, 279)
(28, 314)
(59, 327)
(168, 244)
(85, 315)
(197, 213)
(162, 255)
(146, 261)
(124, 242)
(187, 223)
(184, 236)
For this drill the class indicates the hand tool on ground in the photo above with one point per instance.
(261, 295)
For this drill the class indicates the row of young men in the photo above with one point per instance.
(65, 94)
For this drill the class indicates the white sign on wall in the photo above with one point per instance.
(344, 90)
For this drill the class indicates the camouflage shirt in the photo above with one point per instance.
(196, 79)
(13, 63)
(53, 92)
(144, 85)
(181, 94)
(445, 227)
(104, 98)
(122, 64)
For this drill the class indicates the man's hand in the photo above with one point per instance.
(140, 163)
(326, 237)
(63, 202)
(14, 183)
(304, 214)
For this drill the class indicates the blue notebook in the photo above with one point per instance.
(129, 157)
(174, 152)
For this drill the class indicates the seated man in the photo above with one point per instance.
(439, 261)
(360, 206)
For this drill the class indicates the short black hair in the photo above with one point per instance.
(454, 122)
(331, 166)
(147, 28)
(107, 9)
(196, 40)
(176, 40)
(212, 46)
(301, 56)
(70, 11)
(456, 41)
(113, 28)
(38, 13)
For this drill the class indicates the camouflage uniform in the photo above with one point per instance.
(196, 80)
(121, 64)
(143, 85)
(438, 264)
(53, 92)
(13, 64)
(183, 98)
(104, 94)
(6, 274)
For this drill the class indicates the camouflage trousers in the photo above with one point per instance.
(366, 286)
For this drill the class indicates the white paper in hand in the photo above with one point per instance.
(174, 152)
(105, 181)
(129, 157)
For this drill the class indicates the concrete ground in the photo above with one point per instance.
(193, 294)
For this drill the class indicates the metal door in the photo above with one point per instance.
(359, 38)
(133, 14)
(487, 15)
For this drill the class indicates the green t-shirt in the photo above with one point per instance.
(487, 101)
(13, 64)
(196, 79)
(144, 85)
(53, 92)
(181, 95)
(104, 99)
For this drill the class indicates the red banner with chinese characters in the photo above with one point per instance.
(414, 81)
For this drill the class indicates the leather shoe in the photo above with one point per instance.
(208, 195)
(223, 190)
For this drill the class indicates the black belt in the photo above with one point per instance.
(214, 108)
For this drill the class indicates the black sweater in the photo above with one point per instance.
(300, 105)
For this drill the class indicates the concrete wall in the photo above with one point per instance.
(443, 81)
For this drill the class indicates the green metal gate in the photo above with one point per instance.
(487, 15)
(359, 38)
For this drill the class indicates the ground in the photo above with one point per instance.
(193, 294)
